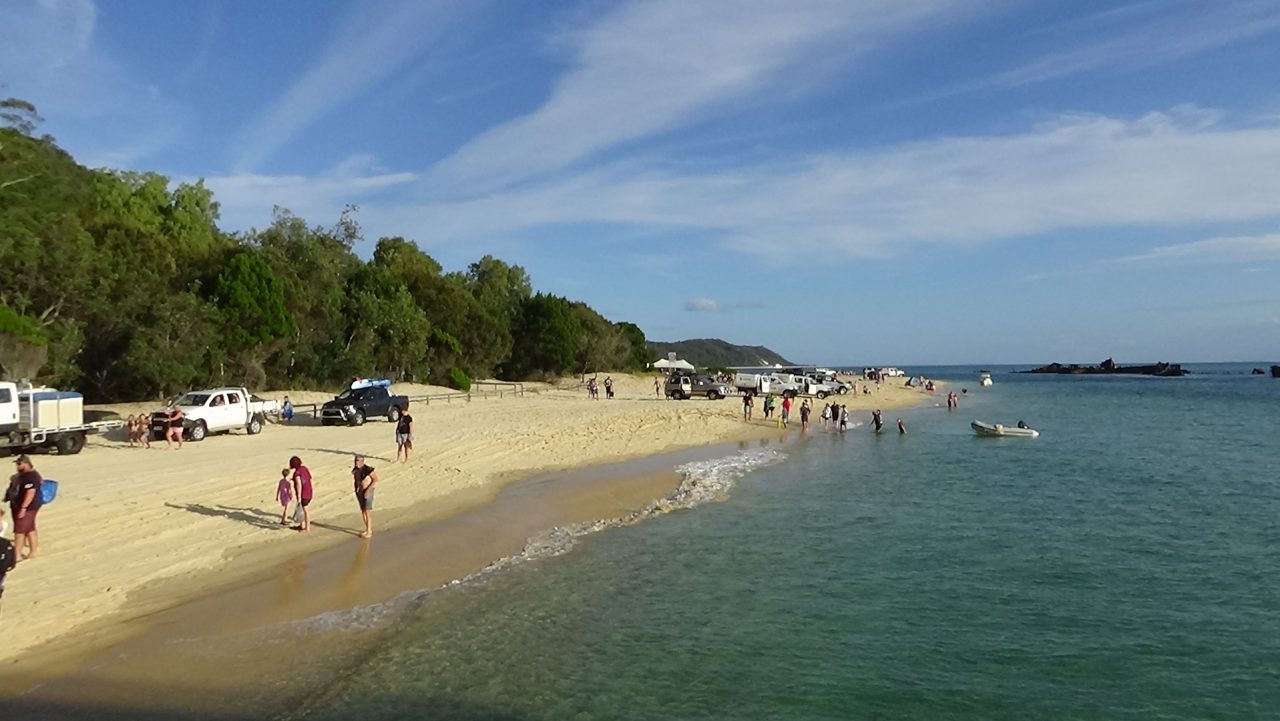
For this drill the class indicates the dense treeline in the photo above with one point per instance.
(123, 286)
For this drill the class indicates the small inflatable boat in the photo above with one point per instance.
(999, 429)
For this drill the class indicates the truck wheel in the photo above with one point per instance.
(713, 396)
(198, 431)
(255, 426)
(69, 444)
(821, 395)
(358, 418)
(393, 415)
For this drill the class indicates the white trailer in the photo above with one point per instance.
(35, 418)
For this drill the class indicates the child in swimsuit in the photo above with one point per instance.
(284, 494)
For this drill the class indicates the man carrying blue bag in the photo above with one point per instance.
(25, 499)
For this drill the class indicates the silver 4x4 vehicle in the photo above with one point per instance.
(683, 386)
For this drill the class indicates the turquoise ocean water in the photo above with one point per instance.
(1124, 565)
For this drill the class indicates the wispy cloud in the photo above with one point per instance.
(95, 106)
(247, 200)
(707, 305)
(1080, 171)
(703, 305)
(1234, 249)
(1077, 172)
(370, 42)
(1134, 37)
(653, 66)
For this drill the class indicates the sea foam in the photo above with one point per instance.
(700, 482)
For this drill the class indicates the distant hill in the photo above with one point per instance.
(715, 353)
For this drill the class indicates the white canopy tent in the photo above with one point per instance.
(670, 364)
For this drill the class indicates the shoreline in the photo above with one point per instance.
(352, 590)
(707, 425)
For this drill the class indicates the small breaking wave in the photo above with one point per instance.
(701, 482)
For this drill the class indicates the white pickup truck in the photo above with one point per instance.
(216, 410)
(789, 385)
(32, 418)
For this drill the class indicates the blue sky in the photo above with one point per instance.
(847, 182)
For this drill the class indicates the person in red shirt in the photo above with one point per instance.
(786, 410)
(302, 491)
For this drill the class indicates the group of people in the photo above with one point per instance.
(593, 388)
(953, 400)
(296, 488)
(138, 428)
(836, 416)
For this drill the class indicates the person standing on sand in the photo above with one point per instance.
(303, 491)
(284, 494)
(174, 431)
(404, 433)
(364, 479)
(24, 503)
(786, 411)
(804, 415)
(608, 387)
(746, 406)
(657, 387)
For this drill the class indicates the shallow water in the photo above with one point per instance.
(1125, 565)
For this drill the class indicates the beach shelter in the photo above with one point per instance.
(672, 364)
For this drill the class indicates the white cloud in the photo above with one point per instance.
(703, 305)
(1245, 248)
(369, 43)
(1081, 171)
(248, 200)
(1076, 173)
(653, 66)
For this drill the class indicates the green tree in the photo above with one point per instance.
(315, 266)
(637, 354)
(546, 338)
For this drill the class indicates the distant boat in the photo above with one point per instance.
(984, 378)
(999, 429)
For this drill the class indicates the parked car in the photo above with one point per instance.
(217, 410)
(356, 405)
(683, 386)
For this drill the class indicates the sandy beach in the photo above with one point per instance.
(130, 520)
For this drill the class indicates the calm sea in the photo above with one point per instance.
(1124, 565)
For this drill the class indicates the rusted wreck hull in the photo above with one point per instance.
(1164, 370)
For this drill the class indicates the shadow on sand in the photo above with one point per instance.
(252, 516)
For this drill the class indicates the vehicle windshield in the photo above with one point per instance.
(192, 399)
(352, 395)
